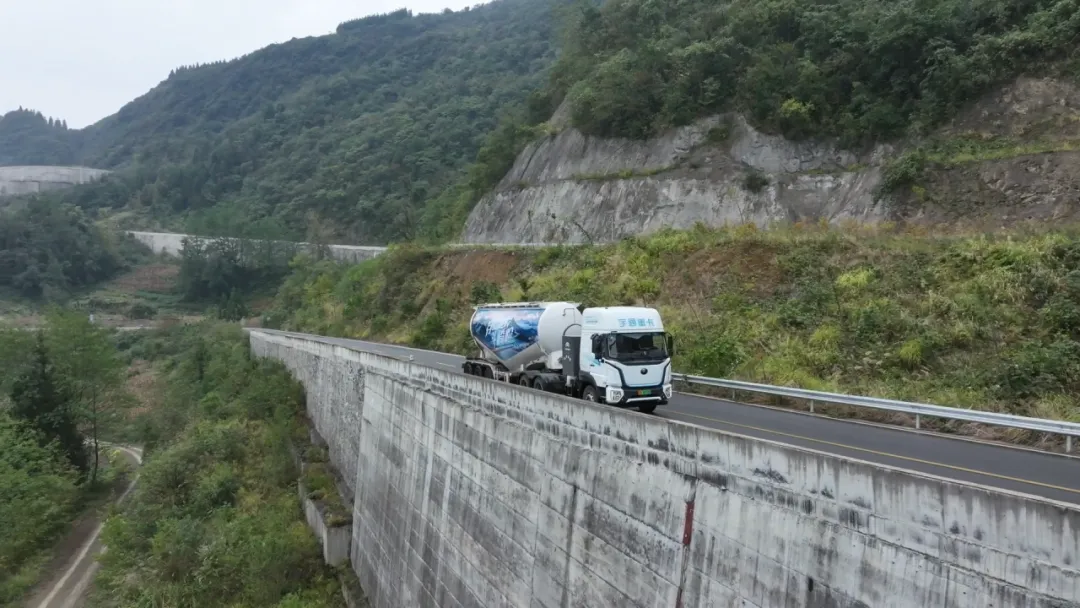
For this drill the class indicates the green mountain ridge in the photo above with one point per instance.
(392, 128)
(353, 131)
(27, 137)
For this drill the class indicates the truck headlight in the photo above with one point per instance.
(614, 395)
(668, 391)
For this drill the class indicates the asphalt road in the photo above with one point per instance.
(1019, 469)
(68, 590)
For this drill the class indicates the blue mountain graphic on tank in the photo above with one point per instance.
(507, 332)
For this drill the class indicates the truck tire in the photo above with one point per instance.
(538, 383)
(524, 381)
(648, 409)
(589, 394)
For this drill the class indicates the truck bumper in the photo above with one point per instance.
(632, 397)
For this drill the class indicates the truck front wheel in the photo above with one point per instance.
(648, 409)
(589, 394)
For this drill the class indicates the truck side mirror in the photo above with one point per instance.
(597, 345)
(671, 345)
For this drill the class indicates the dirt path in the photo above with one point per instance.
(73, 576)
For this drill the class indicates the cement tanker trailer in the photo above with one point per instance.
(615, 355)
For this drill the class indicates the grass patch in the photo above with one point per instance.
(318, 481)
(908, 169)
(623, 174)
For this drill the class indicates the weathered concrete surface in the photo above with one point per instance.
(470, 492)
(172, 243)
(33, 179)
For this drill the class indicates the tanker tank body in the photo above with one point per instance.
(522, 342)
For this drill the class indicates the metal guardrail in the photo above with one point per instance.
(1057, 427)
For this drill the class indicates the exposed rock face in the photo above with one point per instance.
(575, 188)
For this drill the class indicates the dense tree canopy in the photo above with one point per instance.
(37, 501)
(859, 69)
(29, 138)
(354, 131)
(48, 249)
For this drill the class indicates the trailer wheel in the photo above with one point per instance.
(648, 409)
(589, 394)
(524, 381)
(488, 373)
(538, 384)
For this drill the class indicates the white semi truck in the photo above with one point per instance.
(617, 355)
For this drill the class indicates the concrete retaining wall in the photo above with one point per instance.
(15, 181)
(470, 492)
(172, 243)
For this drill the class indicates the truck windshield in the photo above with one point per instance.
(637, 347)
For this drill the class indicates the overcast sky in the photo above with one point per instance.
(82, 60)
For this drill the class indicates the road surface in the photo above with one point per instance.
(1019, 469)
(74, 579)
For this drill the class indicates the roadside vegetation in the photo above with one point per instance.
(215, 519)
(226, 275)
(61, 394)
(985, 322)
(49, 250)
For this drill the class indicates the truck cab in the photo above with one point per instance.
(625, 357)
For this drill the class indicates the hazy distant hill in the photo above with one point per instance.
(361, 127)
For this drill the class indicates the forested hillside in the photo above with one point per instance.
(859, 69)
(367, 135)
(29, 138)
(47, 250)
(359, 129)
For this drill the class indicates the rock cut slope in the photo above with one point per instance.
(1009, 157)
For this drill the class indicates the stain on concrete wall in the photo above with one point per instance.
(470, 492)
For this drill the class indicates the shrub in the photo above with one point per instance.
(214, 520)
(141, 310)
(755, 182)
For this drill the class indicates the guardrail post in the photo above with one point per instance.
(917, 422)
(811, 407)
(1068, 443)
